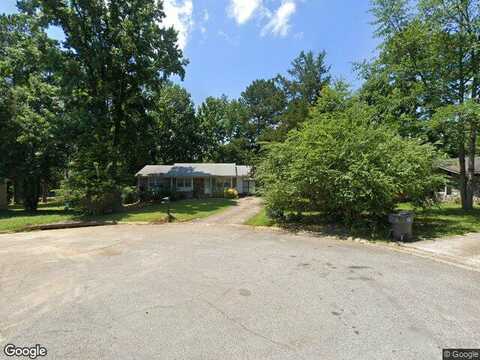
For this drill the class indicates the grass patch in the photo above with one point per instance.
(16, 219)
(446, 219)
(260, 219)
(183, 210)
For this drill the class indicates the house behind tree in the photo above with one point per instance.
(451, 168)
(196, 180)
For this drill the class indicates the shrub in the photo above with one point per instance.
(102, 203)
(275, 213)
(346, 168)
(176, 196)
(129, 195)
(155, 195)
(230, 193)
(92, 190)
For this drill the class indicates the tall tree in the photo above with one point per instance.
(226, 131)
(430, 54)
(30, 141)
(214, 120)
(265, 101)
(119, 54)
(306, 79)
(176, 129)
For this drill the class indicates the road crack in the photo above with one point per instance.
(247, 329)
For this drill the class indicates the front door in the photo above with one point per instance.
(198, 187)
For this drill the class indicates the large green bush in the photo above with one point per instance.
(92, 190)
(346, 167)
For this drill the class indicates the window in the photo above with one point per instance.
(154, 181)
(158, 183)
(184, 183)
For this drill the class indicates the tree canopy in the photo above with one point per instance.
(429, 61)
(345, 166)
(89, 112)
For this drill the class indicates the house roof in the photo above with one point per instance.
(452, 166)
(192, 169)
(243, 170)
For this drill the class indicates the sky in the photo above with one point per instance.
(230, 43)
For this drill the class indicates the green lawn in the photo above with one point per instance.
(260, 219)
(16, 219)
(446, 219)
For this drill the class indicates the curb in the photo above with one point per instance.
(445, 259)
(69, 225)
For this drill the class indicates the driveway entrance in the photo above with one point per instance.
(235, 215)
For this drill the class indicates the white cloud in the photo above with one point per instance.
(243, 10)
(204, 21)
(179, 14)
(229, 39)
(279, 23)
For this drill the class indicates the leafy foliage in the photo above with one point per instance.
(118, 54)
(429, 61)
(175, 129)
(31, 109)
(343, 165)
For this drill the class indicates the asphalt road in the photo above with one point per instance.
(194, 291)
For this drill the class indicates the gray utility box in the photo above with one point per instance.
(402, 225)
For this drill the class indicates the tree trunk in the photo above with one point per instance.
(17, 191)
(470, 184)
(44, 191)
(31, 186)
(463, 177)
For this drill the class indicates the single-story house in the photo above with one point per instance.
(196, 180)
(451, 168)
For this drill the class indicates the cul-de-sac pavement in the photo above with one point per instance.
(226, 291)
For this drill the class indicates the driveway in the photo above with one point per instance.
(184, 291)
(238, 214)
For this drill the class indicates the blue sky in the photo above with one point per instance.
(230, 43)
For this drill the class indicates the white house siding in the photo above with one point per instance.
(248, 186)
(245, 185)
(240, 185)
